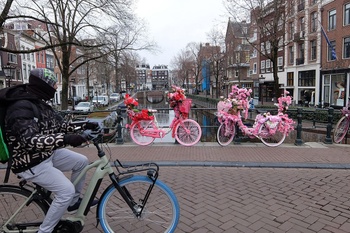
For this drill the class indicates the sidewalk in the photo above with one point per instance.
(247, 187)
(310, 154)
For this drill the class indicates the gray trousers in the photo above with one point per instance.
(49, 174)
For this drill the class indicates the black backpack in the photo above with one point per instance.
(5, 101)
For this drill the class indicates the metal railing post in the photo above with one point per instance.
(328, 139)
(120, 139)
(298, 140)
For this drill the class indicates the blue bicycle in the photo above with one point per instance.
(131, 203)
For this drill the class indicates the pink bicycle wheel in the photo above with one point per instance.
(341, 129)
(188, 132)
(226, 133)
(136, 132)
(271, 140)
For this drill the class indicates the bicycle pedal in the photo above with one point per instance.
(67, 226)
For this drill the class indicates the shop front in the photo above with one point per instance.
(335, 88)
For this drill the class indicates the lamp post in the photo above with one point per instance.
(261, 82)
(9, 73)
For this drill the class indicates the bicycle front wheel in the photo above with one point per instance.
(225, 133)
(29, 216)
(341, 129)
(160, 214)
(271, 140)
(136, 132)
(188, 132)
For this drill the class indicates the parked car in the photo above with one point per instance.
(114, 97)
(100, 100)
(84, 106)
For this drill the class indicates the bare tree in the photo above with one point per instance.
(193, 49)
(268, 20)
(68, 23)
(184, 65)
(128, 62)
(217, 58)
(124, 38)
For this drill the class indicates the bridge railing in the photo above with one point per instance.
(319, 121)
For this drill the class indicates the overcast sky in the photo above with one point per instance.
(173, 24)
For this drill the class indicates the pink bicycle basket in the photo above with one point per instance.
(185, 106)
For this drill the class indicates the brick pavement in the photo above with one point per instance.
(249, 187)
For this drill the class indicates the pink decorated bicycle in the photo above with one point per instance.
(270, 129)
(144, 127)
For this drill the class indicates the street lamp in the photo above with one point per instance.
(9, 73)
(261, 82)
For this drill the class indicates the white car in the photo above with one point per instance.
(84, 106)
(114, 97)
(100, 100)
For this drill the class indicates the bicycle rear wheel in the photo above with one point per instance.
(225, 133)
(137, 136)
(341, 129)
(29, 217)
(188, 132)
(271, 140)
(161, 213)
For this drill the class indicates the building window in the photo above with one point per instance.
(301, 5)
(25, 71)
(332, 19)
(291, 54)
(254, 68)
(302, 24)
(280, 63)
(28, 55)
(262, 66)
(313, 51)
(290, 79)
(313, 2)
(330, 51)
(291, 30)
(314, 22)
(347, 14)
(12, 58)
(301, 50)
(307, 78)
(346, 47)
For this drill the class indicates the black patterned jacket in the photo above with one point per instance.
(33, 139)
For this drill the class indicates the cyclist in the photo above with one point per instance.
(37, 136)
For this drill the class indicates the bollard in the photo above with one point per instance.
(328, 139)
(298, 140)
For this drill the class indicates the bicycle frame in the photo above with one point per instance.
(154, 131)
(103, 167)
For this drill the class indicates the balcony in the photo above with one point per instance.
(299, 36)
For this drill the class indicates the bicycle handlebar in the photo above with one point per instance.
(94, 136)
